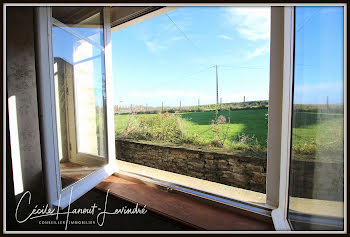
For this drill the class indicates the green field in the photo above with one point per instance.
(311, 132)
(319, 135)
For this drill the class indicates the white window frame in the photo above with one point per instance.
(56, 196)
(275, 106)
(279, 215)
(280, 110)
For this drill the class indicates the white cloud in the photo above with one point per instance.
(252, 23)
(238, 97)
(321, 87)
(176, 38)
(172, 95)
(199, 60)
(258, 51)
(154, 47)
(226, 37)
(317, 93)
(168, 93)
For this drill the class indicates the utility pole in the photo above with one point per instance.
(217, 86)
(146, 108)
(199, 108)
(131, 108)
(244, 101)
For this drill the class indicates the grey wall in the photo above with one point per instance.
(21, 83)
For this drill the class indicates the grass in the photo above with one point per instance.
(244, 130)
(249, 122)
(317, 135)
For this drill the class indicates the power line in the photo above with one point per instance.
(189, 75)
(159, 33)
(192, 74)
(242, 67)
(182, 31)
(307, 20)
(204, 69)
(193, 44)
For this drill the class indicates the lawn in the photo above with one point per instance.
(318, 135)
(312, 130)
(250, 122)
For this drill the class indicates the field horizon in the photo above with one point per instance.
(240, 130)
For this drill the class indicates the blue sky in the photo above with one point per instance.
(65, 46)
(171, 57)
(319, 55)
(153, 61)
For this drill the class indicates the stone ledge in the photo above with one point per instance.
(236, 170)
(217, 166)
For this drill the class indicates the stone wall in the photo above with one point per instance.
(309, 178)
(226, 168)
(318, 180)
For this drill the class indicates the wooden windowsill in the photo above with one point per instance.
(196, 214)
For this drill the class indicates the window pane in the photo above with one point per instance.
(88, 70)
(316, 188)
(86, 21)
(80, 101)
(191, 98)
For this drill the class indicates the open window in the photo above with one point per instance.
(79, 120)
(312, 173)
(74, 54)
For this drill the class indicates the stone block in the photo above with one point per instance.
(198, 166)
(207, 156)
(195, 174)
(259, 177)
(254, 167)
(222, 164)
(209, 165)
(192, 155)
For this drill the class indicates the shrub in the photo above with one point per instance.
(162, 127)
(247, 144)
(305, 149)
(313, 150)
(220, 130)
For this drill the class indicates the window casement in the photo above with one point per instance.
(311, 191)
(279, 214)
(279, 120)
(67, 95)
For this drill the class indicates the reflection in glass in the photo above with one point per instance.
(316, 189)
(86, 21)
(80, 99)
